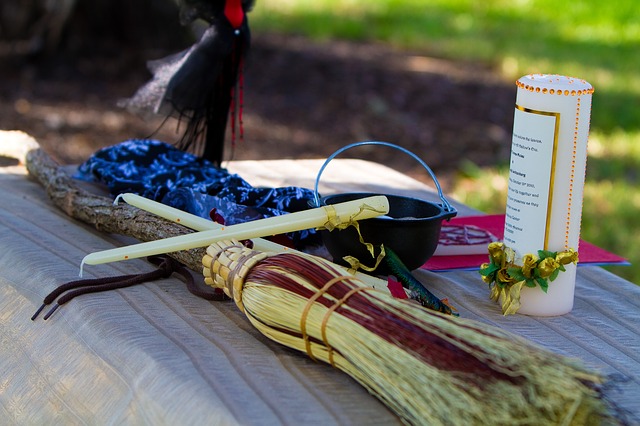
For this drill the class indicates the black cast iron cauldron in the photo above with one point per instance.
(411, 228)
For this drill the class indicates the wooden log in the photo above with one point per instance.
(100, 212)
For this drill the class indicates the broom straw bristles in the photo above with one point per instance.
(427, 367)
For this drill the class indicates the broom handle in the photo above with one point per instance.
(337, 214)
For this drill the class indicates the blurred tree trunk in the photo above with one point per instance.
(30, 26)
(47, 27)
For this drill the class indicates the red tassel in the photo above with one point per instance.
(396, 289)
(234, 13)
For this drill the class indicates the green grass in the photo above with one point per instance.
(595, 40)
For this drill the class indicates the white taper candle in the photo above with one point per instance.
(201, 224)
(181, 217)
(188, 220)
(336, 214)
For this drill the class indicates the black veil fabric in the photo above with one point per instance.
(198, 85)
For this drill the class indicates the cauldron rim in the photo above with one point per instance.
(384, 230)
(440, 211)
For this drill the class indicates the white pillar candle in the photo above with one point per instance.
(546, 180)
(334, 215)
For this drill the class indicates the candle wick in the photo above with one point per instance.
(165, 268)
(51, 311)
(38, 312)
(117, 199)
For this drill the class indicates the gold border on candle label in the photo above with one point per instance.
(556, 132)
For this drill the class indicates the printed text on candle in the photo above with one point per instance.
(530, 171)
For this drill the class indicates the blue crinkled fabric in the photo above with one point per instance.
(161, 172)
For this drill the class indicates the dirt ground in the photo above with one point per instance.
(303, 99)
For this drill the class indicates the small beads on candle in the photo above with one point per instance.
(573, 169)
(538, 85)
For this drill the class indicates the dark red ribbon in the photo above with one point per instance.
(234, 13)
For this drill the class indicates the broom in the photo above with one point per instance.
(427, 367)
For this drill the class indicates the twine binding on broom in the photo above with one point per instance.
(427, 367)
(323, 327)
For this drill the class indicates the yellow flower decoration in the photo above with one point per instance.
(566, 257)
(486, 279)
(506, 279)
(496, 253)
(529, 263)
(547, 266)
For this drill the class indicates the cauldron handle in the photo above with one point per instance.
(445, 203)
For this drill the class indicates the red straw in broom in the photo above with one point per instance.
(428, 367)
